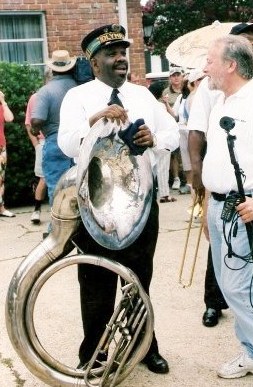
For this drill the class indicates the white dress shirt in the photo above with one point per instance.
(83, 101)
(218, 172)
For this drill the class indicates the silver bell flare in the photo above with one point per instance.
(114, 188)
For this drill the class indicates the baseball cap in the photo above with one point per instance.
(175, 70)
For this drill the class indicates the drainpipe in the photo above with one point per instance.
(122, 10)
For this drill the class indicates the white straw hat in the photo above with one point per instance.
(61, 61)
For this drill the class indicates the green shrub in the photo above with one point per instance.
(18, 82)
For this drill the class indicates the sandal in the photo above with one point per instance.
(167, 199)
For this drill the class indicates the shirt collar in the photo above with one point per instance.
(243, 91)
(107, 90)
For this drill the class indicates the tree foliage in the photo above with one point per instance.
(18, 82)
(173, 18)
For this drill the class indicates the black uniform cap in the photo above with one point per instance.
(104, 36)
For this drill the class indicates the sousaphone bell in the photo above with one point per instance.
(114, 188)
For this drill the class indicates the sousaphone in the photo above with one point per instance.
(108, 176)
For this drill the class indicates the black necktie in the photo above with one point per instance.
(115, 99)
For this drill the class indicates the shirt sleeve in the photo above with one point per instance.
(166, 129)
(41, 107)
(29, 108)
(200, 108)
(74, 124)
(176, 105)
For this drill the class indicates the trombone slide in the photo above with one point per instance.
(183, 280)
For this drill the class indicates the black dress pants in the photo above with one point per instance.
(98, 285)
(213, 296)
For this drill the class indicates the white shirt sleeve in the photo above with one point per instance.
(166, 129)
(176, 105)
(202, 104)
(74, 124)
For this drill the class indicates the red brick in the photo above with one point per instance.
(67, 21)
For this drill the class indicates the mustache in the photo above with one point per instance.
(121, 65)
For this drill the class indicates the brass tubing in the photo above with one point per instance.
(184, 282)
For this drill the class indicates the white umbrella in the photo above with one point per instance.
(190, 50)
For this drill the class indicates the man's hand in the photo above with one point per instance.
(37, 126)
(112, 113)
(144, 137)
(197, 184)
(205, 228)
(34, 132)
(245, 210)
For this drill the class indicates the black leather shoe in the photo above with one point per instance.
(156, 363)
(211, 317)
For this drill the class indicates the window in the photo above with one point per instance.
(23, 38)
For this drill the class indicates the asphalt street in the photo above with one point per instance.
(193, 351)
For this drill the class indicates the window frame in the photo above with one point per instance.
(43, 39)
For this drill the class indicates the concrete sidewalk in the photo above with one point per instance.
(193, 351)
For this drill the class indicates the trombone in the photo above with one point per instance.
(196, 210)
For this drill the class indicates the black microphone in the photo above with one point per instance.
(227, 123)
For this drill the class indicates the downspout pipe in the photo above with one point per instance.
(122, 11)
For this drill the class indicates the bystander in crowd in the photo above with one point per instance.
(170, 93)
(37, 142)
(134, 78)
(45, 117)
(181, 113)
(162, 155)
(6, 115)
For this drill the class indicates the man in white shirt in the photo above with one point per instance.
(230, 69)
(198, 123)
(81, 108)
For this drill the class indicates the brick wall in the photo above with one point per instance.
(67, 21)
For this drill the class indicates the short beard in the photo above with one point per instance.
(211, 85)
